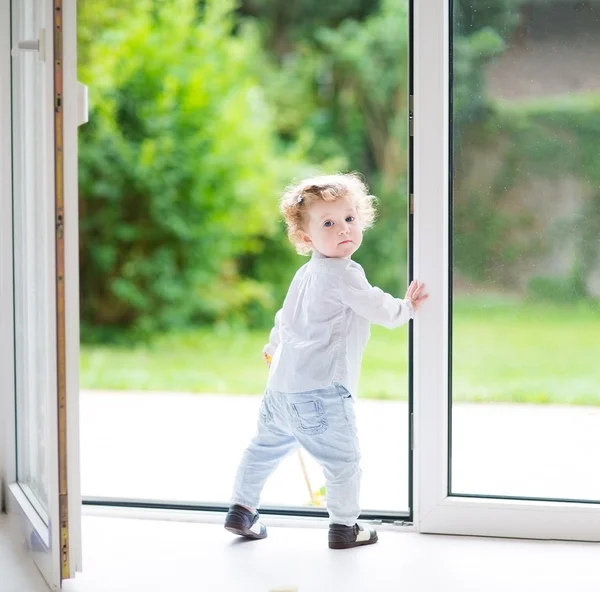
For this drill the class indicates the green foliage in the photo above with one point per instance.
(344, 104)
(546, 139)
(286, 24)
(367, 107)
(558, 135)
(203, 111)
(194, 131)
(555, 138)
(488, 242)
(481, 31)
(554, 289)
(94, 19)
(541, 139)
(471, 54)
(179, 170)
(473, 15)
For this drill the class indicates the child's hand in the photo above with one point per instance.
(267, 358)
(415, 294)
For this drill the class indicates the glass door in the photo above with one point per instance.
(43, 479)
(174, 327)
(506, 105)
(526, 264)
(33, 257)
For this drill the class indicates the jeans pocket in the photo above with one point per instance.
(349, 410)
(309, 417)
(264, 412)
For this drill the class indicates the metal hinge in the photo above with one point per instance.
(411, 203)
(412, 431)
(60, 226)
(411, 104)
(64, 536)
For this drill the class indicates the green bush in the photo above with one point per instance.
(548, 139)
(180, 169)
(370, 111)
(350, 97)
(201, 112)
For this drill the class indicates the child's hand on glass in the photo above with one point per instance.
(415, 294)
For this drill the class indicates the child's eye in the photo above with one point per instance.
(328, 224)
(350, 219)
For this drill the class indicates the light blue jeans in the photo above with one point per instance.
(324, 424)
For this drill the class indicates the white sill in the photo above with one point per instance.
(29, 512)
(206, 517)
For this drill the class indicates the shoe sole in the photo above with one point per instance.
(242, 531)
(352, 545)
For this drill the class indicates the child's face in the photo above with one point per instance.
(333, 228)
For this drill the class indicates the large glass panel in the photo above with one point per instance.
(33, 262)
(184, 258)
(526, 249)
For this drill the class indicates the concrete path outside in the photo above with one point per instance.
(184, 447)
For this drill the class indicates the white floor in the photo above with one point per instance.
(127, 555)
(173, 447)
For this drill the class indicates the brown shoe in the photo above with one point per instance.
(346, 537)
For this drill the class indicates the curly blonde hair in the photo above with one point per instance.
(299, 197)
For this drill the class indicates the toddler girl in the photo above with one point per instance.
(315, 351)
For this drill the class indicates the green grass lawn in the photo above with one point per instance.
(501, 352)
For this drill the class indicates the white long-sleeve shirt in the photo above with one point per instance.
(322, 329)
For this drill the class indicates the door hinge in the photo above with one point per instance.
(412, 431)
(411, 203)
(411, 121)
(64, 536)
(60, 226)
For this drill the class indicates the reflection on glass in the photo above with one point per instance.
(33, 264)
(526, 269)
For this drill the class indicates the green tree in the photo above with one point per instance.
(342, 95)
(372, 74)
(482, 29)
(287, 24)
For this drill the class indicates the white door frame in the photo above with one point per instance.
(436, 511)
(25, 522)
(7, 427)
(22, 513)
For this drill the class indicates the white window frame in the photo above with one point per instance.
(436, 511)
(7, 431)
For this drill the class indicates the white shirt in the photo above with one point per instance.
(322, 329)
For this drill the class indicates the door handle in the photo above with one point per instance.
(82, 104)
(26, 46)
(31, 45)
